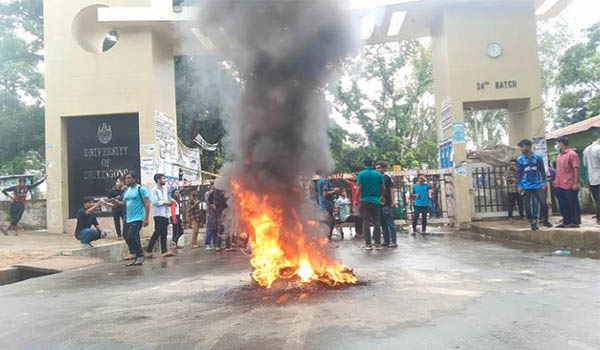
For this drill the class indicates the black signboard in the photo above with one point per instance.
(101, 148)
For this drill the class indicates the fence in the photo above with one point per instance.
(489, 192)
(441, 194)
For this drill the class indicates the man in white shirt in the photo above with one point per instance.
(161, 209)
(344, 206)
(591, 160)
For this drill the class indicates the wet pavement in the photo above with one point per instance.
(436, 292)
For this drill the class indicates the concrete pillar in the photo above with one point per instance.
(135, 76)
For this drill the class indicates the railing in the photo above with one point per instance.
(489, 192)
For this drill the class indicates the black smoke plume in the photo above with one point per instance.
(285, 52)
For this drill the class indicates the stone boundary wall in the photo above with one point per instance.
(34, 217)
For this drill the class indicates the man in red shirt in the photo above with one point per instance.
(19, 197)
(567, 184)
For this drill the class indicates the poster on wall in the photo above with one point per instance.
(458, 132)
(147, 163)
(190, 158)
(540, 147)
(446, 155)
(166, 142)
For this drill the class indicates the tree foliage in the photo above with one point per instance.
(204, 89)
(579, 79)
(21, 86)
(387, 93)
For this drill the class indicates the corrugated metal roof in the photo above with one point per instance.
(582, 126)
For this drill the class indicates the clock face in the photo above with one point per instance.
(494, 50)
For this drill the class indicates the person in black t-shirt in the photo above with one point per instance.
(387, 209)
(115, 200)
(85, 220)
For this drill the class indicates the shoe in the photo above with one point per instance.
(378, 247)
(573, 226)
(167, 255)
(150, 256)
(208, 248)
(562, 226)
(86, 245)
(534, 227)
(547, 224)
(135, 262)
(194, 246)
(229, 249)
(393, 245)
(130, 257)
(385, 244)
(173, 245)
(368, 247)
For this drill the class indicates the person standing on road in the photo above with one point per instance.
(512, 181)
(160, 210)
(387, 209)
(421, 204)
(115, 200)
(567, 184)
(19, 198)
(194, 214)
(591, 160)
(137, 209)
(371, 189)
(326, 200)
(85, 220)
(532, 182)
(176, 219)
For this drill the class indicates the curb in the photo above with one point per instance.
(558, 238)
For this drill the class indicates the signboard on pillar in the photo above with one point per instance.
(540, 147)
(166, 139)
(446, 152)
(100, 149)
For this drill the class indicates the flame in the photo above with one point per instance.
(281, 243)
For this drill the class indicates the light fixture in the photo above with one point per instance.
(205, 41)
(396, 22)
(363, 4)
(545, 7)
(367, 26)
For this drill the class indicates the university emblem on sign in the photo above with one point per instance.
(104, 133)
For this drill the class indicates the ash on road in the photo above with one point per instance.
(431, 293)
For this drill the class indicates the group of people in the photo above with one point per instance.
(132, 204)
(373, 195)
(527, 181)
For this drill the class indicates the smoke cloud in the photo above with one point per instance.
(285, 52)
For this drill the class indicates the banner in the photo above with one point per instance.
(190, 157)
(166, 139)
(205, 145)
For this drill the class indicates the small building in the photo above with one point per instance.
(580, 135)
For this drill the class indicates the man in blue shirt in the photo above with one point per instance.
(371, 189)
(137, 209)
(421, 202)
(532, 182)
(325, 197)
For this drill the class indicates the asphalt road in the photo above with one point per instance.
(438, 292)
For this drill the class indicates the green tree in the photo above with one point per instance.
(579, 79)
(204, 88)
(554, 38)
(486, 128)
(388, 94)
(21, 86)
